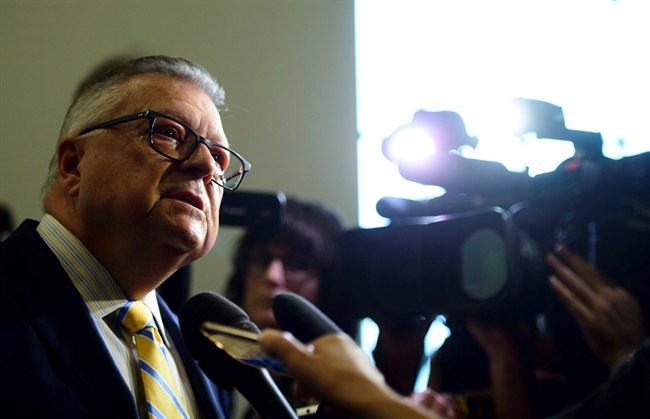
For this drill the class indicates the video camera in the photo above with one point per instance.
(480, 246)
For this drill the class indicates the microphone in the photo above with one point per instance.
(304, 320)
(255, 384)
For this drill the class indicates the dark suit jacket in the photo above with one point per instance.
(53, 363)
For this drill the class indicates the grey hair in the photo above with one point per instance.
(98, 96)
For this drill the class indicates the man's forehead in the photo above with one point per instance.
(160, 88)
(178, 98)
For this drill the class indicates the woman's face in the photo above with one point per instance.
(274, 269)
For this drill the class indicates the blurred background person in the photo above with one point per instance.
(301, 256)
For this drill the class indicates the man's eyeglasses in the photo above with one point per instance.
(176, 141)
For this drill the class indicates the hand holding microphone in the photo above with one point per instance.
(331, 366)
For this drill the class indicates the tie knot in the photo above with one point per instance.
(135, 316)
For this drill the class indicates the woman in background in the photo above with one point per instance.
(300, 256)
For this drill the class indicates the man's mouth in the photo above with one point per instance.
(189, 198)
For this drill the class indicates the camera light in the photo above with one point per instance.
(409, 144)
(428, 134)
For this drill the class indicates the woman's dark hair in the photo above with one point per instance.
(307, 228)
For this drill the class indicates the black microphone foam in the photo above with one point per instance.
(256, 385)
(303, 319)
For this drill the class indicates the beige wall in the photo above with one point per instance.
(287, 67)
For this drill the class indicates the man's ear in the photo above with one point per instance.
(69, 153)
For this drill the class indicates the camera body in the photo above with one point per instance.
(450, 255)
(470, 261)
(482, 254)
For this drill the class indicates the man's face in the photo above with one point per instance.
(132, 198)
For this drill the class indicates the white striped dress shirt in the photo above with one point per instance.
(103, 297)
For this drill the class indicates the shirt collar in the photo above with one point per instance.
(98, 289)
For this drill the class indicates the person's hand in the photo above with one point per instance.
(399, 351)
(508, 349)
(608, 314)
(335, 370)
(443, 404)
(332, 367)
(500, 344)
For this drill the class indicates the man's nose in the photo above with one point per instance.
(201, 163)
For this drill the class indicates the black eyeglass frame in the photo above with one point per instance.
(151, 117)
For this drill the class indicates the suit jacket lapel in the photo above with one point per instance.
(61, 315)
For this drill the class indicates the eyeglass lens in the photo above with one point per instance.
(178, 142)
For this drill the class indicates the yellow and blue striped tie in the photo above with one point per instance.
(160, 387)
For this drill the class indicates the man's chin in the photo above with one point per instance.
(189, 241)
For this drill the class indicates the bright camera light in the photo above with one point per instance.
(410, 144)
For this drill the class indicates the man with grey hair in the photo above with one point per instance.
(132, 196)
